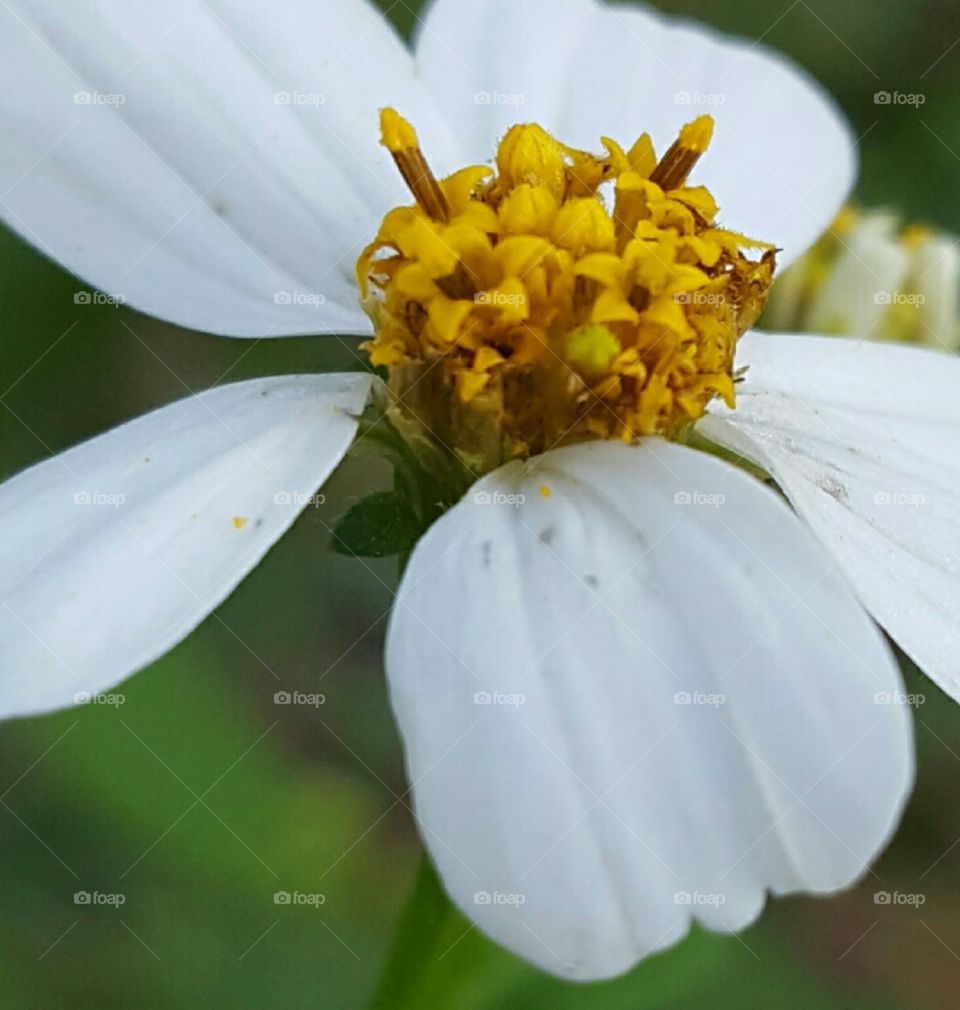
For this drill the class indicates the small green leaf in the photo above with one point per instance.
(379, 526)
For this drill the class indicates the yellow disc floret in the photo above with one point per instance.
(523, 308)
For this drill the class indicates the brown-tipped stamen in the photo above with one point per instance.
(678, 162)
(400, 139)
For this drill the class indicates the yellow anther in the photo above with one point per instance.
(685, 152)
(696, 136)
(396, 133)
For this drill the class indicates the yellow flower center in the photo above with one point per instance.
(521, 308)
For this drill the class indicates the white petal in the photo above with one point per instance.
(113, 552)
(864, 438)
(497, 63)
(217, 164)
(783, 158)
(581, 781)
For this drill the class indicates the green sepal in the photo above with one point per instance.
(382, 525)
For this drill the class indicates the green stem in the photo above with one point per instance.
(422, 937)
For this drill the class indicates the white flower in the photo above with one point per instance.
(635, 690)
(871, 277)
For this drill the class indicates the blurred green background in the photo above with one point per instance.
(199, 798)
